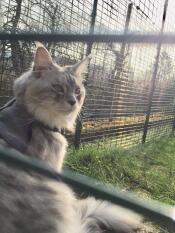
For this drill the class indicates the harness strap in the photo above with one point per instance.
(13, 120)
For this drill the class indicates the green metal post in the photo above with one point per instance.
(120, 64)
(154, 76)
(79, 125)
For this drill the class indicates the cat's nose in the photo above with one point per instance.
(71, 102)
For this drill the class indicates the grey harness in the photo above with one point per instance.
(16, 125)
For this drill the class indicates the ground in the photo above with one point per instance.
(148, 169)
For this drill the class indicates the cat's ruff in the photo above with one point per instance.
(16, 125)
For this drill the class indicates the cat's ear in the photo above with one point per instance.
(81, 67)
(42, 60)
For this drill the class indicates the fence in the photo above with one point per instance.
(130, 87)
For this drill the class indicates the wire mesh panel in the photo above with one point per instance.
(162, 110)
(40, 16)
(121, 105)
(118, 92)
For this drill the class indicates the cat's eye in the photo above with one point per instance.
(77, 91)
(58, 89)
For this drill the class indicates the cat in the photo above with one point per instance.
(47, 98)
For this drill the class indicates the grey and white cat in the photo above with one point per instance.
(49, 97)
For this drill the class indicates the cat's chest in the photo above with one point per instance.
(48, 146)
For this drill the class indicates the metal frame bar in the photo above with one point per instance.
(77, 137)
(167, 38)
(122, 52)
(154, 76)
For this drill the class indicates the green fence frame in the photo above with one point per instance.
(166, 38)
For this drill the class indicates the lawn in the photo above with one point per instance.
(148, 170)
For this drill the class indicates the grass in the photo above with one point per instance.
(148, 169)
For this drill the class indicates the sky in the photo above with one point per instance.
(172, 4)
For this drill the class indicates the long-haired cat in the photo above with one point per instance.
(47, 98)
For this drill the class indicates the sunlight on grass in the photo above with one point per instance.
(148, 170)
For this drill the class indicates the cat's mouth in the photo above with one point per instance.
(68, 107)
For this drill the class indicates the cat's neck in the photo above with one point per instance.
(26, 116)
(52, 118)
(22, 131)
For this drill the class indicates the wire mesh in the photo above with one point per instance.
(120, 74)
(162, 110)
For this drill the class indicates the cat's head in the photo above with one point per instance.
(53, 94)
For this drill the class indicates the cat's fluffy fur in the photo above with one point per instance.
(46, 91)
(32, 204)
